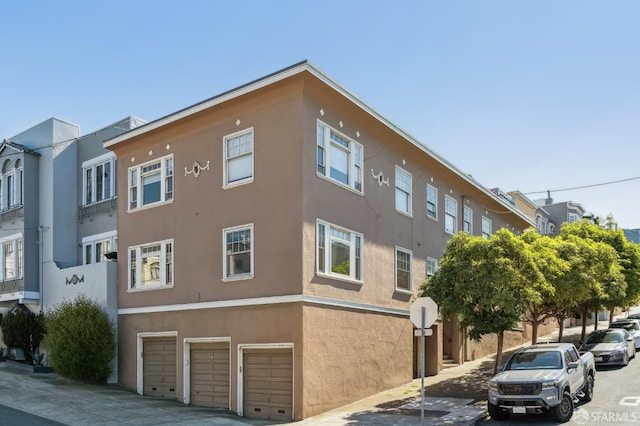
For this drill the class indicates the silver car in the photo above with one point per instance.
(612, 346)
(632, 326)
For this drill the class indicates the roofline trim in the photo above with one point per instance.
(286, 73)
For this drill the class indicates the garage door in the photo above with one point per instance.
(210, 375)
(159, 367)
(268, 384)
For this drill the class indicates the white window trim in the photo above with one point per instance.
(91, 240)
(395, 270)
(352, 254)
(92, 164)
(163, 181)
(464, 219)
(487, 220)
(8, 239)
(409, 194)
(455, 217)
(225, 183)
(353, 169)
(239, 277)
(163, 263)
(17, 190)
(435, 204)
(435, 262)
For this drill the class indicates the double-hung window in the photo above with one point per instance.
(151, 183)
(403, 191)
(238, 253)
(338, 252)
(403, 269)
(467, 220)
(151, 265)
(432, 266)
(450, 215)
(99, 179)
(339, 158)
(238, 158)
(12, 257)
(96, 246)
(432, 202)
(11, 184)
(486, 227)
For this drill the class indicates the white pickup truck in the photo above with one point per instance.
(542, 377)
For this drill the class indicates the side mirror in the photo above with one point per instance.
(630, 339)
(573, 365)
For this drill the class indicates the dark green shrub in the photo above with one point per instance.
(80, 340)
(22, 329)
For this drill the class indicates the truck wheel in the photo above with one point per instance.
(588, 389)
(496, 413)
(563, 411)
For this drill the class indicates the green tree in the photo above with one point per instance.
(24, 330)
(543, 251)
(486, 283)
(81, 340)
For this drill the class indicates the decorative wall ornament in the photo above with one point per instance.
(358, 133)
(150, 153)
(341, 124)
(74, 280)
(133, 159)
(168, 147)
(196, 169)
(238, 122)
(380, 178)
(321, 112)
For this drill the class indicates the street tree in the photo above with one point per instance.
(485, 283)
(542, 249)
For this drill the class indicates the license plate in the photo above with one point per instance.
(597, 359)
(519, 410)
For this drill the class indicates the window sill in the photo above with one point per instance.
(340, 184)
(341, 278)
(403, 291)
(409, 215)
(237, 278)
(150, 206)
(435, 219)
(157, 287)
(238, 183)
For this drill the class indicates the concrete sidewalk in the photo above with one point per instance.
(456, 396)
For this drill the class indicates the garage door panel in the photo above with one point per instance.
(210, 375)
(268, 384)
(159, 367)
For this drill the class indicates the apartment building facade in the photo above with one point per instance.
(58, 216)
(271, 242)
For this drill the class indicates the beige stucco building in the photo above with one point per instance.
(271, 241)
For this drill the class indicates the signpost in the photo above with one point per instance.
(423, 313)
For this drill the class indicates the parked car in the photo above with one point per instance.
(633, 316)
(612, 346)
(632, 326)
(540, 378)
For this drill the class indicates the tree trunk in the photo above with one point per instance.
(611, 316)
(499, 353)
(534, 332)
(560, 328)
(595, 323)
(584, 324)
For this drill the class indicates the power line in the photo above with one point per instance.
(583, 187)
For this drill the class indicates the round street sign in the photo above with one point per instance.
(430, 312)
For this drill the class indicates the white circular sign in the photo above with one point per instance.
(430, 312)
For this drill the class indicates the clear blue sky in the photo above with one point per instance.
(529, 95)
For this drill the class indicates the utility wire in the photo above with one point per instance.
(583, 187)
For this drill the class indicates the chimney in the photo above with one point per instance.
(549, 200)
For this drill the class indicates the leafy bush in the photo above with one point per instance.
(22, 329)
(81, 340)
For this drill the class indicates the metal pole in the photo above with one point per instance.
(422, 324)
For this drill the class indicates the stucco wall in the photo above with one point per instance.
(349, 355)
